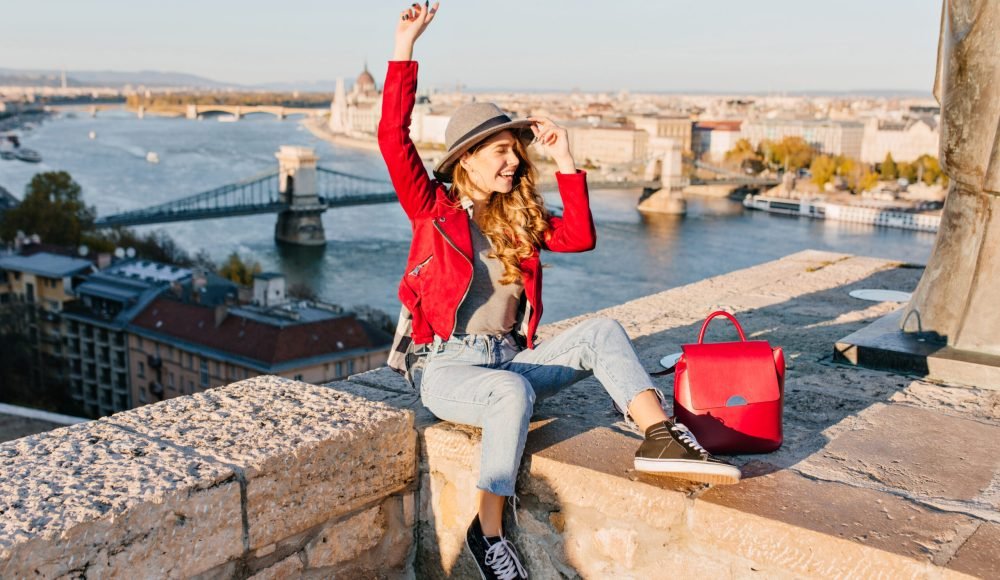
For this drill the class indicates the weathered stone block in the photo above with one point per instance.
(374, 543)
(286, 569)
(917, 451)
(95, 499)
(874, 519)
(346, 539)
(308, 454)
(980, 554)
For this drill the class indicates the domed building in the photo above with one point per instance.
(365, 85)
(356, 113)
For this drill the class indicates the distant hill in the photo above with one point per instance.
(110, 78)
(77, 78)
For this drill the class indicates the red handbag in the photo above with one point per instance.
(731, 394)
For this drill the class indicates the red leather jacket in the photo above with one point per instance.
(439, 267)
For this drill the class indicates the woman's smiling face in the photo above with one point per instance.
(493, 164)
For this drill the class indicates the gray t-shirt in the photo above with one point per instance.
(490, 307)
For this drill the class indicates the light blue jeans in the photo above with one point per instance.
(488, 382)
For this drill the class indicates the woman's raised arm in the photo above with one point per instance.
(406, 169)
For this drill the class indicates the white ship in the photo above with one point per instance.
(887, 216)
(152, 157)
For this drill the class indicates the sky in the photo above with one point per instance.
(637, 45)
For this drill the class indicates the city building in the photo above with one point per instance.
(44, 283)
(906, 140)
(356, 113)
(428, 126)
(95, 325)
(712, 139)
(826, 136)
(179, 348)
(676, 127)
(608, 145)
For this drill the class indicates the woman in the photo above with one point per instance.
(473, 289)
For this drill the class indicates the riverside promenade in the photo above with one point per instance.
(881, 475)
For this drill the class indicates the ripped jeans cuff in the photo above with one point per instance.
(629, 422)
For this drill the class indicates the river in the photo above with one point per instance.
(367, 246)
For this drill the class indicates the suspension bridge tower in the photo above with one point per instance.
(301, 224)
(669, 199)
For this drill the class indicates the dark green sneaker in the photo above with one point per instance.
(671, 449)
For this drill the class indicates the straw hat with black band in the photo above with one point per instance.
(471, 124)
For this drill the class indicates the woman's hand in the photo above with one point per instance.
(412, 23)
(553, 141)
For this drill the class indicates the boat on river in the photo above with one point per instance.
(876, 215)
(27, 155)
(152, 157)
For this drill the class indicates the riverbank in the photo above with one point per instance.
(22, 121)
(319, 128)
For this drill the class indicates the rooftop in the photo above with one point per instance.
(46, 264)
(149, 270)
(251, 338)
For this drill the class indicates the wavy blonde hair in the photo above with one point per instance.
(515, 223)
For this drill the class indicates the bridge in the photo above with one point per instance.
(239, 111)
(299, 192)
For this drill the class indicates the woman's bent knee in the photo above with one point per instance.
(514, 392)
(603, 326)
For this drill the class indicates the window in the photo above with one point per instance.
(350, 367)
(190, 361)
(142, 369)
(298, 377)
(190, 387)
(204, 373)
(340, 369)
(170, 380)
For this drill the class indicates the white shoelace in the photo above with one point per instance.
(687, 437)
(513, 505)
(503, 559)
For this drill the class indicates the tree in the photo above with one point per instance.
(907, 171)
(236, 270)
(823, 168)
(790, 154)
(929, 170)
(889, 169)
(740, 152)
(52, 208)
(869, 179)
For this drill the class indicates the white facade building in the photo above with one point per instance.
(827, 136)
(906, 140)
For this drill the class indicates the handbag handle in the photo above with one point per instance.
(704, 326)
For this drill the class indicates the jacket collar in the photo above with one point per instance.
(454, 224)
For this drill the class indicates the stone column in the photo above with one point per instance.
(957, 301)
(669, 199)
(300, 224)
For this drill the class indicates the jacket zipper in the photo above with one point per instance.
(454, 322)
(416, 270)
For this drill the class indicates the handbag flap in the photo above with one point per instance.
(722, 374)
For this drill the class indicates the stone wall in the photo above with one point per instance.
(264, 478)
